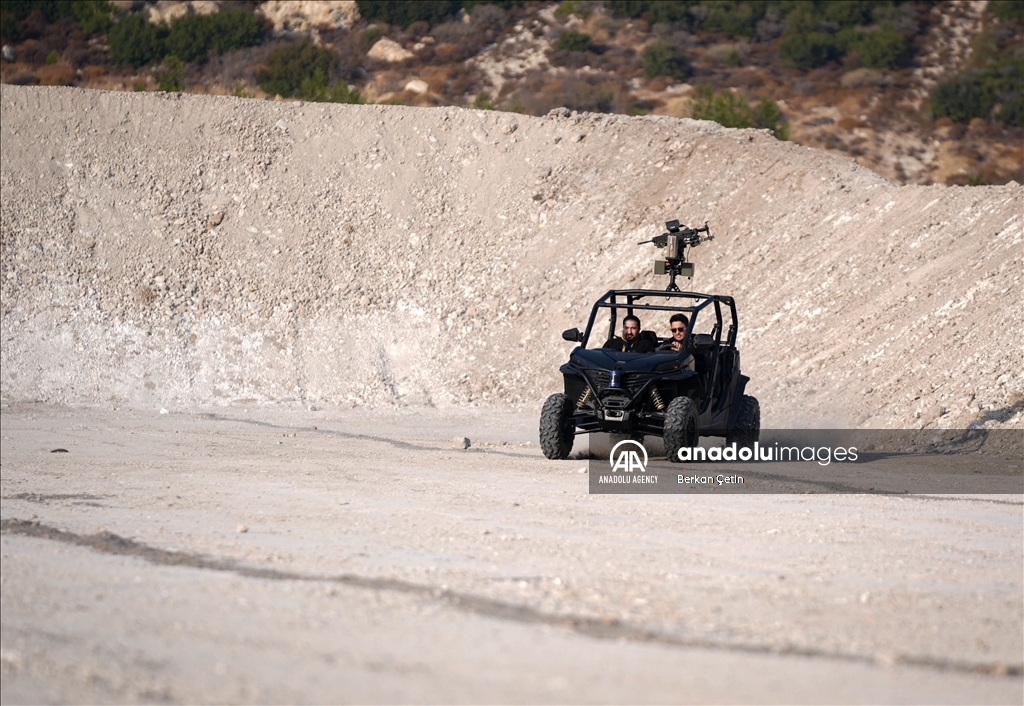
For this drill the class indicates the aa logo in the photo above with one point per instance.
(625, 457)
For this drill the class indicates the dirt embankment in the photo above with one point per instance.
(177, 251)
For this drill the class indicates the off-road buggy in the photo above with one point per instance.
(680, 396)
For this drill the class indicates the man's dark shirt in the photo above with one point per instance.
(639, 345)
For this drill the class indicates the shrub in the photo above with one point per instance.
(370, 37)
(730, 110)
(483, 102)
(53, 57)
(93, 16)
(487, 18)
(1011, 110)
(302, 69)
(656, 10)
(962, 98)
(573, 41)
(192, 37)
(290, 64)
(729, 54)
(737, 19)
(316, 88)
(135, 42)
(975, 93)
(809, 51)
(724, 108)
(169, 79)
(665, 59)
(1007, 10)
(768, 116)
(884, 49)
(565, 8)
(404, 12)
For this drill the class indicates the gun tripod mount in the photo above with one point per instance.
(676, 240)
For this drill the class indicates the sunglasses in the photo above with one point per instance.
(678, 330)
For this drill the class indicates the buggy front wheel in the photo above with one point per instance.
(557, 431)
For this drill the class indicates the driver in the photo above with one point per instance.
(630, 342)
(677, 325)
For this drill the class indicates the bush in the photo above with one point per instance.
(135, 42)
(665, 59)
(291, 64)
(974, 94)
(487, 18)
(192, 37)
(768, 116)
(656, 10)
(737, 19)
(730, 110)
(302, 70)
(724, 108)
(565, 8)
(884, 49)
(316, 88)
(169, 79)
(1007, 10)
(92, 16)
(809, 51)
(404, 12)
(962, 98)
(1011, 108)
(593, 93)
(573, 41)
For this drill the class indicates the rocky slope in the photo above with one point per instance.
(181, 251)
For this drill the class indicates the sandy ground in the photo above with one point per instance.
(272, 554)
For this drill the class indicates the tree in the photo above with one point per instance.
(135, 42)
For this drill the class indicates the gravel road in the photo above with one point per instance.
(281, 555)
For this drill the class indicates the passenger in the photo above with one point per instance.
(677, 325)
(631, 340)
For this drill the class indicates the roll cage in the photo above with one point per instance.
(632, 301)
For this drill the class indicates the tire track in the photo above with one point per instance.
(597, 628)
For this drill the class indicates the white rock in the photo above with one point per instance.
(417, 86)
(304, 15)
(389, 50)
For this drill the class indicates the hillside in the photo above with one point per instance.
(919, 92)
(177, 251)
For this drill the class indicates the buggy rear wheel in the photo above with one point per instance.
(557, 431)
(748, 423)
(681, 427)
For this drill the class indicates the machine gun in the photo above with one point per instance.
(676, 240)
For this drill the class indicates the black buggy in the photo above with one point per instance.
(680, 396)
